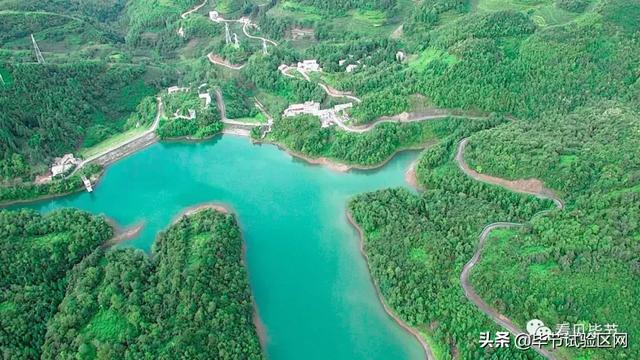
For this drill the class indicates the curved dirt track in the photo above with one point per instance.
(533, 187)
(196, 8)
(218, 61)
(436, 115)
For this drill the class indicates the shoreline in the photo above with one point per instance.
(95, 178)
(192, 210)
(414, 332)
(344, 167)
(411, 177)
(120, 234)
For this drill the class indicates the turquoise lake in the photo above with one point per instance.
(310, 283)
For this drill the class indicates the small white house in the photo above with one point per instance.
(309, 107)
(309, 66)
(175, 89)
(214, 16)
(207, 99)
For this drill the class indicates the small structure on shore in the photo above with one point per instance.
(64, 164)
(87, 184)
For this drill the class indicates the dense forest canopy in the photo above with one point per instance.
(48, 109)
(570, 260)
(63, 296)
(123, 304)
(36, 254)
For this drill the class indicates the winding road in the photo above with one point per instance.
(196, 8)
(218, 61)
(532, 187)
(435, 115)
(244, 30)
(337, 93)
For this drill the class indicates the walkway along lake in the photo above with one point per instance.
(311, 285)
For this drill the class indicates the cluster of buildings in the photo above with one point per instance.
(400, 57)
(309, 66)
(328, 117)
(205, 97)
(62, 165)
(303, 67)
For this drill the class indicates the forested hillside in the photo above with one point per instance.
(48, 110)
(564, 267)
(560, 268)
(112, 304)
(304, 135)
(191, 298)
(417, 244)
(36, 254)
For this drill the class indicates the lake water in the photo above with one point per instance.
(311, 285)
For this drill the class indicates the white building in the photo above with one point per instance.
(328, 117)
(207, 99)
(400, 56)
(64, 164)
(309, 107)
(175, 89)
(351, 67)
(309, 66)
(214, 16)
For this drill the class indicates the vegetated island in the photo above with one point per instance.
(91, 302)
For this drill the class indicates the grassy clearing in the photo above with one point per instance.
(420, 63)
(112, 141)
(438, 349)
(374, 18)
(543, 12)
(258, 119)
(418, 255)
(107, 325)
(291, 8)
(568, 159)
(131, 95)
(48, 240)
